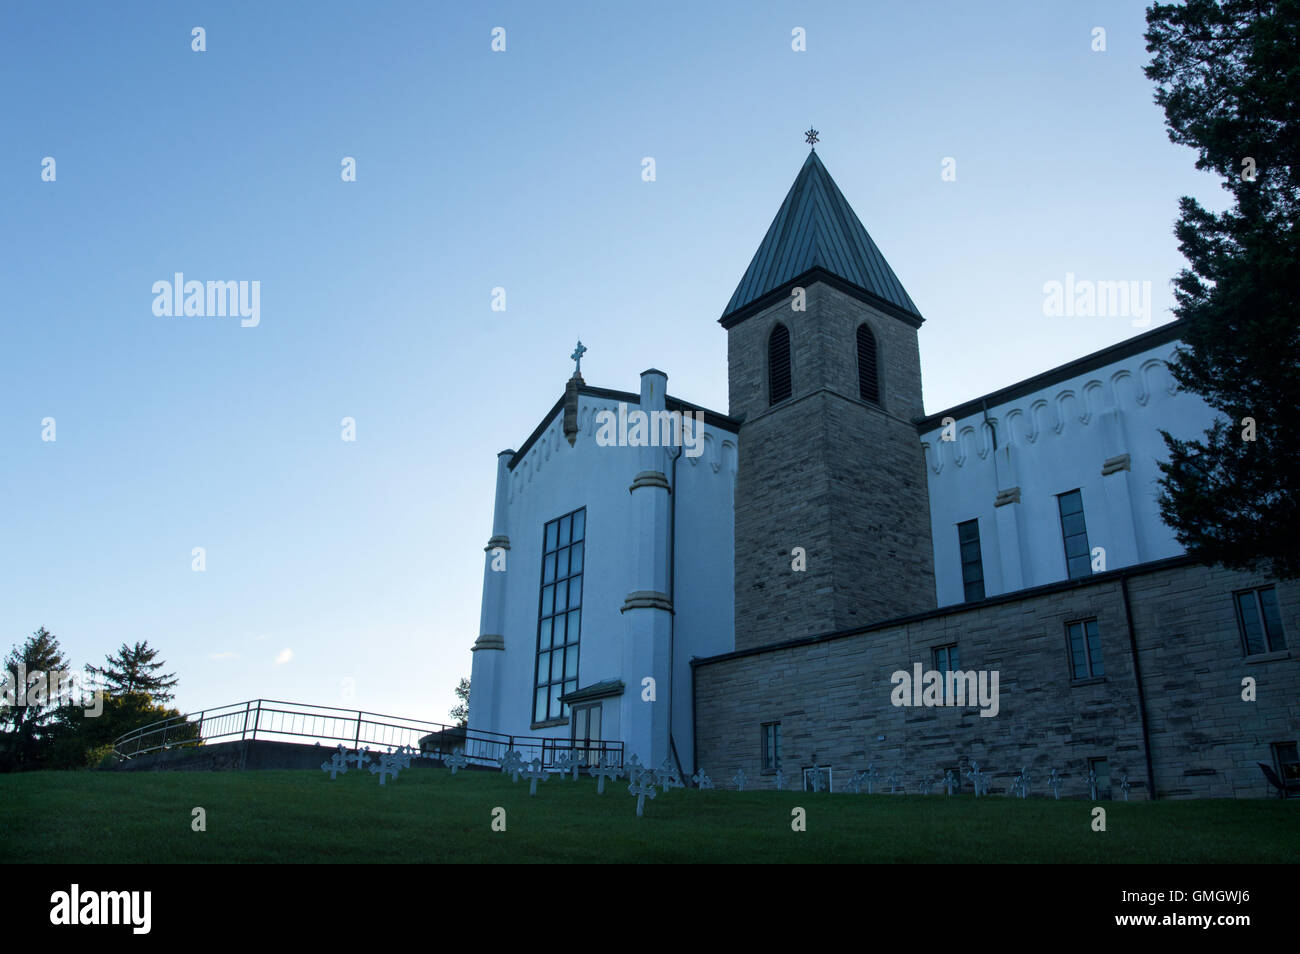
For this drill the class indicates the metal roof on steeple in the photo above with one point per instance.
(816, 228)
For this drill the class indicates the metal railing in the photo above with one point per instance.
(275, 720)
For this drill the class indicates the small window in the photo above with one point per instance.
(1074, 532)
(868, 369)
(1102, 770)
(1287, 762)
(778, 365)
(946, 661)
(825, 771)
(1259, 621)
(972, 567)
(1085, 649)
(771, 733)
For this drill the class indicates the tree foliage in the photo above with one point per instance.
(1228, 79)
(460, 712)
(132, 669)
(53, 729)
(28, 725)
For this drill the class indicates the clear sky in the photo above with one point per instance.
(330, 560)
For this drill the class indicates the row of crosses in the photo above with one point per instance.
(951, 782)
(667, 776)
(389, 763)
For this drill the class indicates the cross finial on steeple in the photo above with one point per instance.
(578, 352)
(811, 137)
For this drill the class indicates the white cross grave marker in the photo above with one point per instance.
(534, 773)
(1054, 780)
(336, 766)
(871, 777)
(818, 783)
(383, 769)
(634, 768)
(513, 763)
(456, 761)
(567, 762)
(643, 787)
(605, 770)
(668, 776)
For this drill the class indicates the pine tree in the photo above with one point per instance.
(132, 669)
(1228, 79)
(26, 724)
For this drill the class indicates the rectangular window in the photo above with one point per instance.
(771, 732)
(945, 661)
(1085, 649)
(972, 568)
(1074, 532)
(1260, 621)
(559, 615)
(1287, 762)
(808, 778)
(1102, 770)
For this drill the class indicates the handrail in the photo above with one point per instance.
(244, 720)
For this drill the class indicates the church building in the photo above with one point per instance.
(743, 592)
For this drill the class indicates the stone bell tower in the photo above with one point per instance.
(824, 371)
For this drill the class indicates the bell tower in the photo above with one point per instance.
(832, 512)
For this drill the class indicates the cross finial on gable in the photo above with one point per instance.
(578, 352)
(811, 137)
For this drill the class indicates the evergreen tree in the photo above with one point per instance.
(1228, 79)
(132, 669)
(27, 724)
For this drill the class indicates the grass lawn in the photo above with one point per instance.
(428, 816)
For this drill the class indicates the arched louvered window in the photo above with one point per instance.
(778, 364)
(868, 371)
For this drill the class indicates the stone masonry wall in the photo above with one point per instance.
(1205, 739)
(830, 473)
(832, 696)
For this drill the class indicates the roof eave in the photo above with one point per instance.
(1170, 331)
(818, 274)
(711, 418)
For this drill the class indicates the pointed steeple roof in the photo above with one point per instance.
(817, 230)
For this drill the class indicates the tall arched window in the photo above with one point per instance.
(778, 364)
(868, 372)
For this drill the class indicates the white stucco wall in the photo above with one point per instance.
(553, 479)
(1050, 442)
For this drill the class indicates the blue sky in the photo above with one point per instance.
(477, 169)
